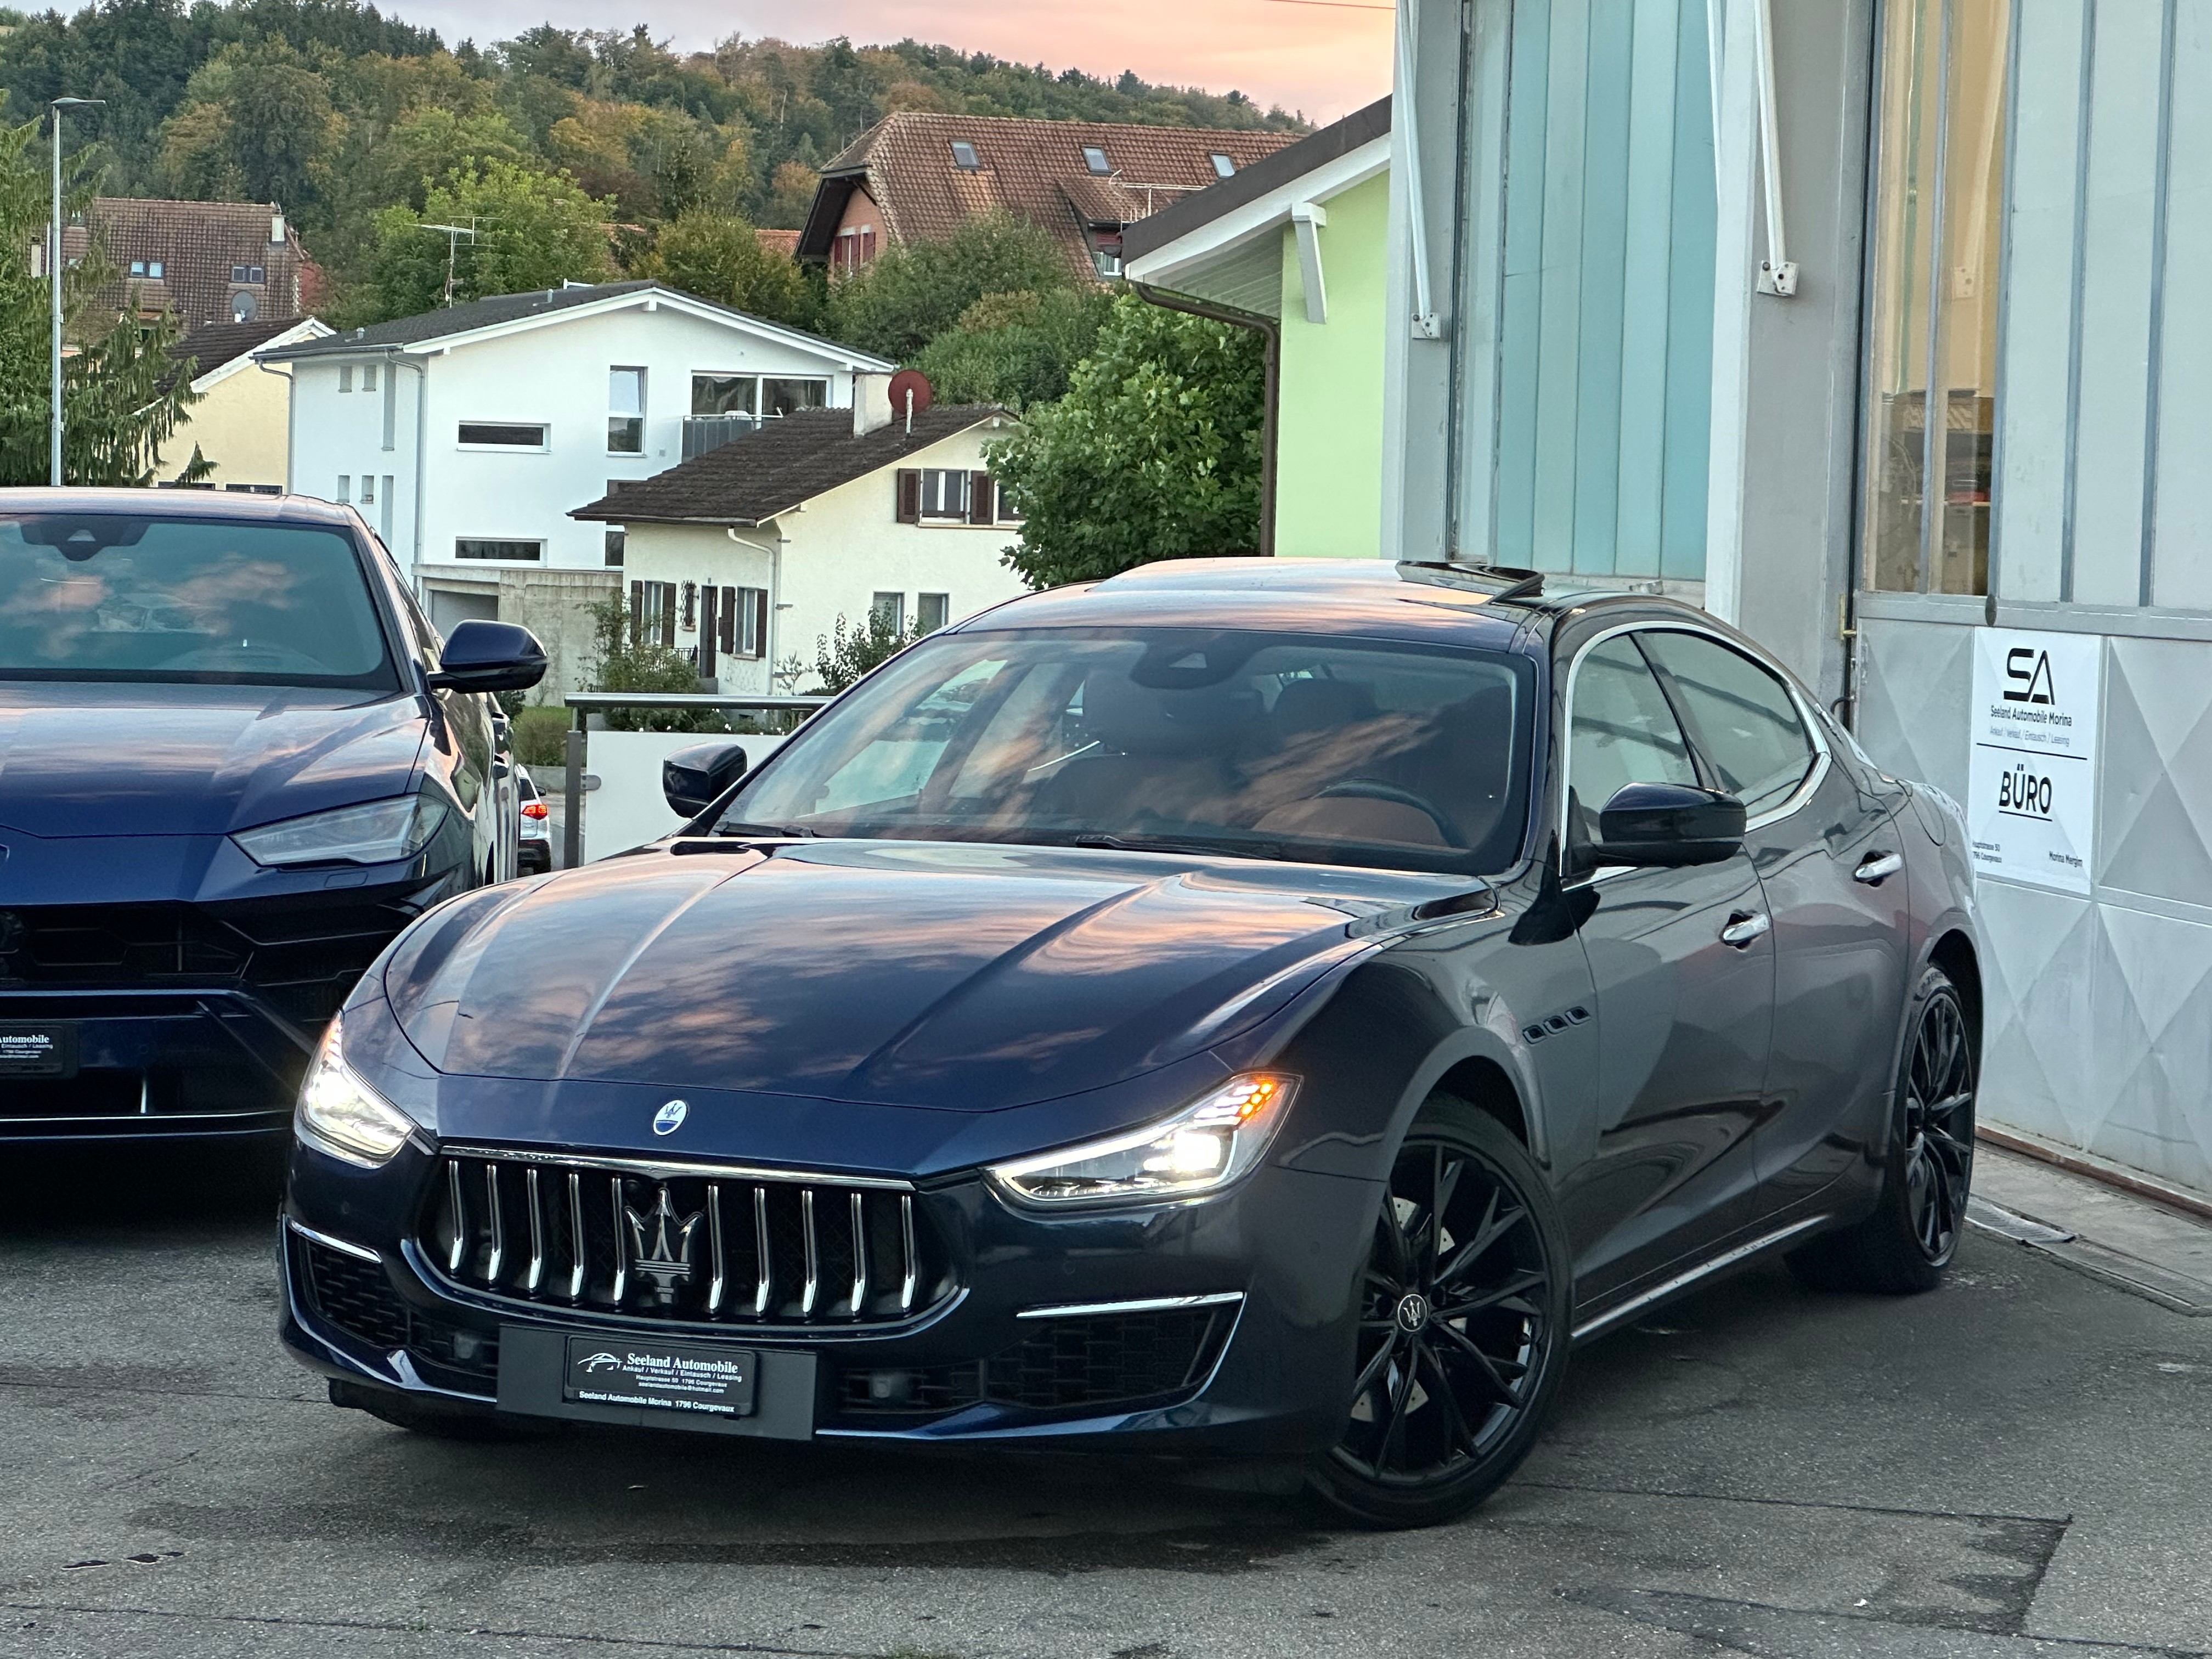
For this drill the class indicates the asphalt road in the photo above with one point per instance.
(2017, 1467)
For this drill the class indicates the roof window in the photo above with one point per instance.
(1095, 159)
(1222, 166)
(963, 156)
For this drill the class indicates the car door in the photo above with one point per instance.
(1830, 863)
(1684, 978)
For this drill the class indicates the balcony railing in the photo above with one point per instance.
(706, 433)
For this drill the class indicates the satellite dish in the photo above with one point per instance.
(910, 383)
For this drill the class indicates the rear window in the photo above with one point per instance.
(106, 597)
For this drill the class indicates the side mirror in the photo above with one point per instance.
(692, 778)
(1667, 825)
(490, 656)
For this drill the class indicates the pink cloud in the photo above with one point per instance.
(1326, 60)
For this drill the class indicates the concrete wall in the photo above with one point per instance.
(834, 553)
(1328, 434)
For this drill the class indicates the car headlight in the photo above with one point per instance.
(1201, 1149)
(340, 1115)
(378, 832)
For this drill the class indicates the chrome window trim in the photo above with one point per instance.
(664, 1170)
(1147, 1305)
(359, 1252)
(1816, 775)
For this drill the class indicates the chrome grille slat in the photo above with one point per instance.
(599, 1234)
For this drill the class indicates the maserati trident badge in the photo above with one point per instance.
(670, 1118)
(660, 1244)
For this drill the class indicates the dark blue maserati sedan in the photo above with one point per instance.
(1240, 1007)
(233, 764)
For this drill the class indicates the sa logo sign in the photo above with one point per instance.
(2028, 677)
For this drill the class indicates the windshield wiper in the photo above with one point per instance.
(1251, 850)
(779, 830)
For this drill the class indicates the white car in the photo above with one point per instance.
(534, 852)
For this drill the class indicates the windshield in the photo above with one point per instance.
(1267, 745)
(102, 597)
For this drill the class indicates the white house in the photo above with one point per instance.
(749, 554)
(466, 436)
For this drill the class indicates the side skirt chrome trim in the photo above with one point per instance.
(1726, 1259)
(1150, 1304)
(360, 1251)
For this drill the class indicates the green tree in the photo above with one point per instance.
(620, 662)
(531, 230)
(1017, 350)
(1154, 453)
(909, 295)
(843, 657)
(122, 396)
(257, 125)
(720, 258)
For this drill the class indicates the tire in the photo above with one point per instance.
(1904, 1246)
(436, 1418)
(1444, 1407)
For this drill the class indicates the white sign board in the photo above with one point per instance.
(2031, 795)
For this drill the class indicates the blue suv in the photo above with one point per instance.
(234, 760)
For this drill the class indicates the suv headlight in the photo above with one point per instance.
(379, 832)
(340, 1115)
(1201, 1149)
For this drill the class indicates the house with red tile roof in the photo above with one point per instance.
(204, 262)
(918, 176)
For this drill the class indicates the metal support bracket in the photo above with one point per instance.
(1777, 273)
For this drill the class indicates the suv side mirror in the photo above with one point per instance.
(691, 778)
(1667, 825)
(490, 656)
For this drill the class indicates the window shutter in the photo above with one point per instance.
(909, 496)
(637, 613)
(982, 499)
(760, 622)
(729, 621)
(708, 594)
(668, 613)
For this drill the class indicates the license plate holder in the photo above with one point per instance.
(37, 1048)
(534, 1370)
(647, 1374)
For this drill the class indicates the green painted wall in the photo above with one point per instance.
(1328, 433)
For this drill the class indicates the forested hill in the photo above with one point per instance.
(337, 110)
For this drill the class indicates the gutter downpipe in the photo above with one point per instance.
(1271, 332)
(422, 438)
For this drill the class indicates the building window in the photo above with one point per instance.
(1106, 254)
(238, 273)
(944, 494)
(615, 542)
(368, 490)
(254, 274)
(787, 397)
(1222, 166)
(154, 268)
(738, 623)
(137, 267)
(369, 377)
(853, 248)
(345, 377)
(626, 411)
(964, 157)
(724, 394)
(498, 434)
(346, 484)
(1939, 202)
(478, 547)
(932, 611)
(888, 609)
(653, 613)
(1095, 159)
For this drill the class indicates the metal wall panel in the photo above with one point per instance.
(1906, 668)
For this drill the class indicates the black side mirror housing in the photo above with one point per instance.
(691, 778)
(490, 656)
(1668, 825)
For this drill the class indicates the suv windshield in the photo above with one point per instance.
(103, 597)
(1266, 745)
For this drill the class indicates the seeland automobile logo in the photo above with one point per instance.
(670, 1118)
(602, 1361)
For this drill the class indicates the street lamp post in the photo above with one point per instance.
(54, 263)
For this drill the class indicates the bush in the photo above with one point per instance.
(619, 662)
(842, 658)
(908, 296)
(540, 735)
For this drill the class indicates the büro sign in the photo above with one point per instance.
(2031, 803)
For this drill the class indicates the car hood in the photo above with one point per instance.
(79, 759)
(967, 978)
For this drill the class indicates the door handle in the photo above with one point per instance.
(1744, 926)
(1875, 866)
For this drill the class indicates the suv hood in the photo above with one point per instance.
(79, 759)
(962, 977)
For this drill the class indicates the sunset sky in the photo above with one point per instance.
(1325, 59)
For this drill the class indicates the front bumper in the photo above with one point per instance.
(1219, 1327)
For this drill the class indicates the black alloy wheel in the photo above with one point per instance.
(1903, 1247)
(1463, 1326)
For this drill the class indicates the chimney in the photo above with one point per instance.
(872, 403)
(276, 225)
